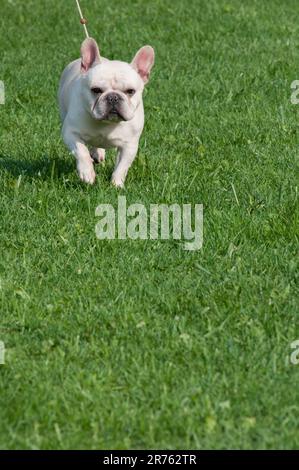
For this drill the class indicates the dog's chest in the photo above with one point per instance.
(103, 139)
(108, 135)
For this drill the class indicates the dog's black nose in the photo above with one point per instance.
(113, 98)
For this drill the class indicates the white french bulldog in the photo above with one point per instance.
(101, 107)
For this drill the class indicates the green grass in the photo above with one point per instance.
(140, 344)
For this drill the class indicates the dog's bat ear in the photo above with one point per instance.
(143, 62)
(90, 54)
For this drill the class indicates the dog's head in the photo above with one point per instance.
(112, 90)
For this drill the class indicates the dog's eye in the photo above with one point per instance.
(130, 92)
(97, 91)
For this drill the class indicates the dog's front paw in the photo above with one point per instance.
(86, 173)
(117, 182)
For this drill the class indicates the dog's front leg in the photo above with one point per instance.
(126, 156)
(84, 161)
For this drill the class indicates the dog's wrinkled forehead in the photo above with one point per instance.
(115, 74)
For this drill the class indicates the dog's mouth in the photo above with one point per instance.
(114, 113)
(113, 116)
(109, 113)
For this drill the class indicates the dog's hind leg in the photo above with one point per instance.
(98, 155)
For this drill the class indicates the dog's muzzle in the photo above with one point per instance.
(112, 105)
(114, 102)
(113, 99)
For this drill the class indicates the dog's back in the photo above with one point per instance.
(69, 75)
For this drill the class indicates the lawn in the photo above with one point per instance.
(141, 344)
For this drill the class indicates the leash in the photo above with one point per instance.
(83, 20)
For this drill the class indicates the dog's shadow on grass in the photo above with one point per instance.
(44, 168)
(51, 168)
